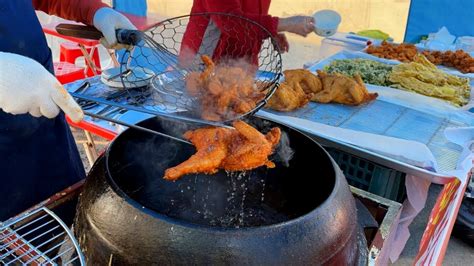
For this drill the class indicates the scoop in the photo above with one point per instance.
(326, 22)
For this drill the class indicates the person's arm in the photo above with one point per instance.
(234, 7)
(77, 10)
(90, 12)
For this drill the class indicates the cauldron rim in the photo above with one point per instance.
(178, 222)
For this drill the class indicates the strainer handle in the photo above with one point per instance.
(129, 37)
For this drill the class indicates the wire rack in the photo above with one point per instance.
(38, 237)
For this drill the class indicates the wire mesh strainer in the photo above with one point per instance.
(172, 51)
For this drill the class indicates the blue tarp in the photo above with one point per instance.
(427, 16)
(134, 7)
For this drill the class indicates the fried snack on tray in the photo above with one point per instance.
(223, 90)
(459, 60)
(296, 91)
(339, 88)
(402, 52)
(244, 148)
(405, 53)
(422, 77)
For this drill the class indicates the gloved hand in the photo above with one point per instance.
(108, 21)
(301, 25)
(27, 87)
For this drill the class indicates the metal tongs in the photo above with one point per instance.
(92, 102)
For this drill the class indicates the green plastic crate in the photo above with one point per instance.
(369, 176)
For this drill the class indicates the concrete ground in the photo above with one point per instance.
(301, 52)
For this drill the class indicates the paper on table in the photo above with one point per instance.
(441, 40)
(407, 151)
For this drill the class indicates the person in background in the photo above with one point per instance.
(38, 154)
(224, 37)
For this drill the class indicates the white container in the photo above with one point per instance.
(343, 41)
(326, 22)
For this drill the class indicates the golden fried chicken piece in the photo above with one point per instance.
(309, 82)
(342, 89)
(223, 90)
(212, 147)
(296, 91)
(249, 148)
(244, 148)
(287, 98)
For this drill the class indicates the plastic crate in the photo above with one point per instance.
(371, 177)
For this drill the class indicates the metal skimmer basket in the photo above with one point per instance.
(38, 237)
(171, 50)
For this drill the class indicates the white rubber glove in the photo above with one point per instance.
(108, 21)
(27, 87)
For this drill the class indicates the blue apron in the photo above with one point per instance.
(38, 156)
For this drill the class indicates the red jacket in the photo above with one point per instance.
(227, 37)
(78, 10)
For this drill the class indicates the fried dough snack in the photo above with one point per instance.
(244, 148)
(339, 88)
(223, 90)
(296, 91)
(459, 60)
(421, 76)
(402, 52)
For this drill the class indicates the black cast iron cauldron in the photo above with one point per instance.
(297, 213)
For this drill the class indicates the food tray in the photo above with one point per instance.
(362, 55)
(398, 114)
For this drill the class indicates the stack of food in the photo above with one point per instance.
(402, 52)
(371, 72)
(459, 60)
(420, 76)
(301, 86)
(223, 90)
(423, 77)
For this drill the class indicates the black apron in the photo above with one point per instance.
(38, 156)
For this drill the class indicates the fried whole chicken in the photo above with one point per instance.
(339, 88)
(296, 91)
(223, 90)
(244, 148)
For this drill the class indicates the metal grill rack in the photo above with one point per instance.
(38, 237)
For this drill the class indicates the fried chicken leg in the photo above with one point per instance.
(211, 145)
(244, 148)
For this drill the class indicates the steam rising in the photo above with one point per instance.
(284, 152)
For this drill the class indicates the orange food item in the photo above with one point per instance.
(402, 52)
(244, 148)
(223, 90)
(459, 59)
